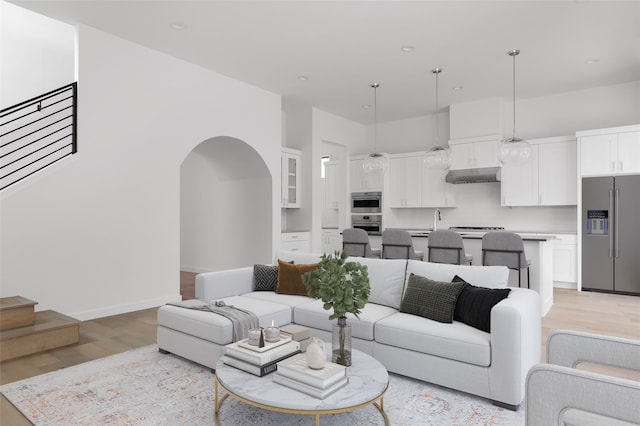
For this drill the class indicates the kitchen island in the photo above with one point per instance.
(538, 248)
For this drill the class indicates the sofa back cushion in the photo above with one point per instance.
(297, 257)
(482, 276)
(386, 278)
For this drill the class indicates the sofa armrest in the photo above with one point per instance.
(219, 284)
(569, 348)
(516, 344)
(555, 393)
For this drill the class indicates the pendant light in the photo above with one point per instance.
(375, 164)
(438, 157)
(514, 150)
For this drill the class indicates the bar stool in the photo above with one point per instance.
(355, 242)
(446, 246)
(397, 244)
(505, 249)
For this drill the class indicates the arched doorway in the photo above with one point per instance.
(225, 207)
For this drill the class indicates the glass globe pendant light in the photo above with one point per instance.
(375, 164)
(514, 150)
(438, 157)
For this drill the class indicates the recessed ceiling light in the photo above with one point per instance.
(367, 106)
(408, 48)
(458, 88)
(178, 25)
(592, 61)
(303, 78)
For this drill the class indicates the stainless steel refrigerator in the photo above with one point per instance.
(611, 234)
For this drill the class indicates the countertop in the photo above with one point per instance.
(476, 235)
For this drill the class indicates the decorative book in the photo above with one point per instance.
(256, 370)
(297, 368)
(297, 332)
(309, 390)
(267, 345)
(261, 358)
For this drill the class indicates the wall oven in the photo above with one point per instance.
(366, 202)
(372, 223)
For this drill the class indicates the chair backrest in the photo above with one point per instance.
(446, 246)
(503, 248)
(397, 244)
(355, 242)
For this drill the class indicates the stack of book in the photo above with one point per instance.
(256, 360)
(295, 373)
(298, 333)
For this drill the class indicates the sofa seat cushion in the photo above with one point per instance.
(313, 315)
(456, 341)
(216, 328)
(290, 300)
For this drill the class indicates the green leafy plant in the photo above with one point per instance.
(342, 286)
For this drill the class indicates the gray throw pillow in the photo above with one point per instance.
(431, 299)
(265, 277)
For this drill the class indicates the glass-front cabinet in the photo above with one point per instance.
(290, 161)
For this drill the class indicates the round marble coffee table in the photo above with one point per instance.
(368, 381)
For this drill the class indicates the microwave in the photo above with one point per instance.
(370, 223)
(366, 202)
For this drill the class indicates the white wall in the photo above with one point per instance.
(216, 192)
(100, 235)
(36, 54)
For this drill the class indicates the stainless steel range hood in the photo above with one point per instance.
(486, 174)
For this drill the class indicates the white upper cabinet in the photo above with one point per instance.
(361, 183)
(404, 182)
(413, 186)
(607, 152)
(290, 165)
(474, 153)
(332, 190)
(549, 178)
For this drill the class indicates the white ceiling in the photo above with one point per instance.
(343, 46)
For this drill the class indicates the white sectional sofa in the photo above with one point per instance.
(491, 365)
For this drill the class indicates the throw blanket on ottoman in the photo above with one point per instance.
(241, 319)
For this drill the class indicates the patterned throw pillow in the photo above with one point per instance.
(430, 299)
(290, 277)
(475, 303)
(265, 277)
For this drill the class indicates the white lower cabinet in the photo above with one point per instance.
(295, 241)
(331, 240)
(565, 259)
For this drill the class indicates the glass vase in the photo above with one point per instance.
(341, 342)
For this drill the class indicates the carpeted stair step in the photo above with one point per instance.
(49, 330)
(15, 312)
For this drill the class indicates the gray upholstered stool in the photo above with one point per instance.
(446, 246)
(355, 242)
(507, 249)
(397, 244)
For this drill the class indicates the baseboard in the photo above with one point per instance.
(562, 284)
(125, 308)
(195, 269)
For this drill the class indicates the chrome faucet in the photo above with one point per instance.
(436, 217)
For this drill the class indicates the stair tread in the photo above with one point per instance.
(44, 321)
(15, 302)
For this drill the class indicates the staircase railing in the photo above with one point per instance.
(37, 133)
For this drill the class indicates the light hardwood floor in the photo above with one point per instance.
(610, 314)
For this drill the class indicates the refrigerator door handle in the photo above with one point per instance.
(616, 225)
(611, 236)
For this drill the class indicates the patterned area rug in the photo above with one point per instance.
(144, 387)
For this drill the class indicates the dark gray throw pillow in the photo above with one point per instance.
(475, 303)
(430, 299)
(265, 277)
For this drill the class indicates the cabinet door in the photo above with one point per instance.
(435, 191)
(485, 154)
(461, 156)
(598, 155)
(356, 175)
(628, 152)
(331, 186)
(565, 259)
(519, 182)
(404, 182)
(291, 180)
(557, 174)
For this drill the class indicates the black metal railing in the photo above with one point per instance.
(37, 133)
